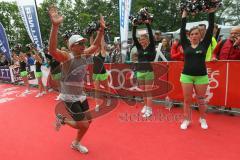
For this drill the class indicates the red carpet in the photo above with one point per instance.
(27, 133)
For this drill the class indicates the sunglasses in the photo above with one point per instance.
(79, 43)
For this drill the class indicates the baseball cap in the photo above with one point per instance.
(75, 38)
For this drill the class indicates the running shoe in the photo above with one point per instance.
(79, 147)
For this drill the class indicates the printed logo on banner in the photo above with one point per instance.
(122, 18)
(213, 83)
(4, 46)
(5, 74)
(18, 78)
(29, 16)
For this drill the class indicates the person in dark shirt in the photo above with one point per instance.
(100, 75)
(23, 71)
(38, 74)
(144, 71)
(194, 75)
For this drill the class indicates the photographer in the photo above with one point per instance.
(146, 54)
(194, 75)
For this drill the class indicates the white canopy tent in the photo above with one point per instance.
(225, 30)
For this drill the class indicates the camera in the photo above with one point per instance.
(92, 27)
(67, 34)
(141, 16)
(197, 6)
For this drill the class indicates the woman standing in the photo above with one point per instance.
(144, 71)
(100, 75)
(38, 75)
(194, 75)
(23, 71)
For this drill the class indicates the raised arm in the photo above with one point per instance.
(56, 20)
(97, 42)
(137, 44)
(183, 35)
(150, 33)
(103, 47)
(208, 36)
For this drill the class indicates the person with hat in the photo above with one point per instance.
(74, 65)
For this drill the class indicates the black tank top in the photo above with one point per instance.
(98, 64)
(55, 67)
(38, 67)
(22, 66)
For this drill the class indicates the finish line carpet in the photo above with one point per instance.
(27, 133)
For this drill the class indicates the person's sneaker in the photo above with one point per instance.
(38, 95)
(203, 123)
(57, 98)
(147, 113)
(97, 108)
(26, 91)
(50, 90)
(59, 121)
(185, 124)
(144, 109)
(79, 147)
(44, 92)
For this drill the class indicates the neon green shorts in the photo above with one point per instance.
(56, 76)
(38, 74)
(23, 73)
(148, 75)
(194, 79)
(100, 77)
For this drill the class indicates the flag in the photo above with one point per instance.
(4, 46)
(28, 12)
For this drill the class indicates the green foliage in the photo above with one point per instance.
(79, 13)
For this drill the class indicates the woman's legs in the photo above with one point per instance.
(26, 83)
(97, 88)
(107, 88)
(148, 97)
(145, 86)
(187, 94)
(40, 84)
(201, 98)
(200, 90)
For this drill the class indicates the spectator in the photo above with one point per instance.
(157, 37)
(212, 45)
(3, 60)
(229, 49)
(163, 51)
(30, 59)
(117, 56)
(177, 51)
